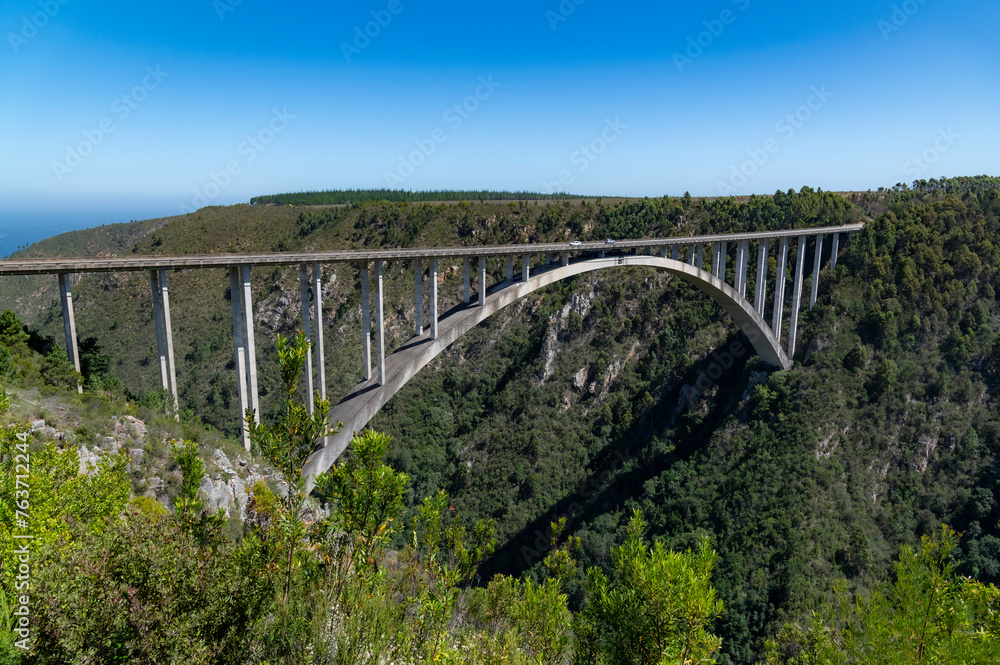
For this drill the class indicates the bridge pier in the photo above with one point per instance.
(816, 263)
(800, 259)
(743, 249)
(366, 323)
(779, 289)
(246, 350)
(418, 283)
(565, 258)
(510, 268)
(834, 250)
(525, 268)
(318, 329)
(691, 255)
(673, 252)
(723, 256)
(379, 326)
(307, 329)
(759, 296)
(69, 324)
(482, 281)
(700, 261)
(466, 288)
(434, 298)
(164, 334)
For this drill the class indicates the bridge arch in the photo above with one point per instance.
(366, 399)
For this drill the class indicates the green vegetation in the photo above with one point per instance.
(805, 484)
(927, 615)
(348, 196)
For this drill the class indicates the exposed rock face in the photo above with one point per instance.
(227, 494)
(88, 460)
(558, 323)
(580, 380)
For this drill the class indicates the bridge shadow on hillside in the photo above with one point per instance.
(608, 487)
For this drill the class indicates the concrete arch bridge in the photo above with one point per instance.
(699, 261)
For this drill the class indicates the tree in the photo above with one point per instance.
(289, 441)
(927, 615)
(365, 499)
(12, 334)
(656, 608)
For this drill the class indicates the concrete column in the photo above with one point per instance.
(482, 281)
(664, 251)
(169, 340)
(254, 396)
(307, 329)
(69, 324)
(241, 361)
(465, 285)
(418, 284)
(510, 268)
(318, 325)
(701, 257)
(834, 250)
(741, 267)
(816, 262)
(366, 324)
(673, 252)
(759, 297)
(716, 253)
(779, 289)
(723, 256)
(161, 346)
(800, 259)
(379, 326)
(691, 255)
(525, 268)
(434, 298)
(565, 258)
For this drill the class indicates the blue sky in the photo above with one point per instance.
(116, 111)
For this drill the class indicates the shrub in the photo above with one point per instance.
(145, 591)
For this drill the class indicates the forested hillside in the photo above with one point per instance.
(580, 402)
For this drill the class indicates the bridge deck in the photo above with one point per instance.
(52, 266)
